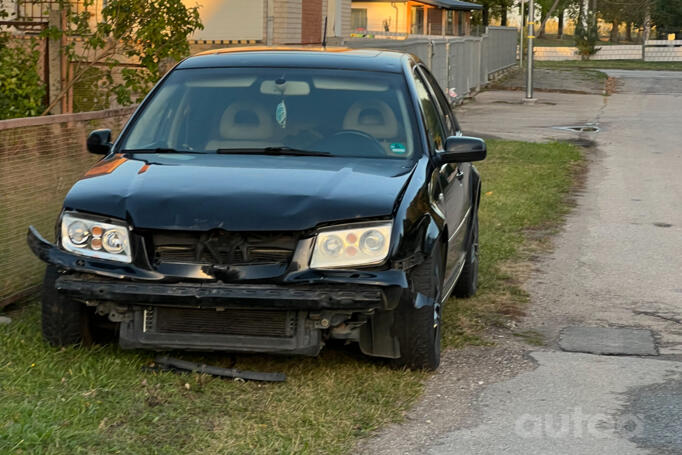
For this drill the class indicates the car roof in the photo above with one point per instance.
(300, 57)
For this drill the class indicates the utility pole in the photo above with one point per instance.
(522, 28)
(531, 36)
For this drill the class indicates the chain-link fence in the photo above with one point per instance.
(40, 158)
(460, 62)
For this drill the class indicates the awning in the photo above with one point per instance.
(452, 4)
(445, 4)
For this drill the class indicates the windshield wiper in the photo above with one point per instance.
(157, 150)
(272, 151)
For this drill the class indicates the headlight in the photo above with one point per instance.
(365, 245)
(96, 239)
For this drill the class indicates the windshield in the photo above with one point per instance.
(283, 110)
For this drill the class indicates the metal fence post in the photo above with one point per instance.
(531, 36)
(54, 47)
(523, 17)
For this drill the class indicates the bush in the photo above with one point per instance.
(586, 36)
(21, 91)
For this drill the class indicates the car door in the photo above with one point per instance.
(460, 195)
(452, 126)
(447, 180)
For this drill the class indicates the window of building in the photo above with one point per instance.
(358, 19)
(449, 22)
(461, 25)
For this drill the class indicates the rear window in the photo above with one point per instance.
(343, 113)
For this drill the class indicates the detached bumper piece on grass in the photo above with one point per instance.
(171, 364)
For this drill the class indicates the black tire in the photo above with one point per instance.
(64, 321)
(419, 329)
(467, 284)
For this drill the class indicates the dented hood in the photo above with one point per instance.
(239, 192)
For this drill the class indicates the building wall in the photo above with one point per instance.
(247, 20)
(311, 21)
(378, 12)
(230, 19)
(345, 6)
(287, 22)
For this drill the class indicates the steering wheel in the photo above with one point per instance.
(355, 143)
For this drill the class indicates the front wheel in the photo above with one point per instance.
(418, 320)
(64, 321)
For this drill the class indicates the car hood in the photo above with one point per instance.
(239, 192)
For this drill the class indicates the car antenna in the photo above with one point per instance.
(324, 35)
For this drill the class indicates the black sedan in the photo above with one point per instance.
(267, 201)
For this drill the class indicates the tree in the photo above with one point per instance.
(586, 34)
(613, 12)
(547, 8)
(494, 8)
(21, 90)
(146, 33)
(667, 15)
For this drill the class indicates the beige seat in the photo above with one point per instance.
(243, 124)
(373, 117)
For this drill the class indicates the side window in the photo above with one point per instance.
(443, 105)
(434, 127)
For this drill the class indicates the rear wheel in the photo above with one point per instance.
(64, 321)
(419, 329)
(467, 284)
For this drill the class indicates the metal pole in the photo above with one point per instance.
(523, 4)
(531, 36)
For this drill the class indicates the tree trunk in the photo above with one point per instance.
(541, 31)
(614, 30)
(628, 32)
(647, 23)
(503, 21)
(595, 8)
(560, 30)
(486, 16)
(543, 20)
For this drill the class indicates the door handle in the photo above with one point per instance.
(460, 174)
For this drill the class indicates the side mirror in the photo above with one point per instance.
(462, 149)
(99, 142)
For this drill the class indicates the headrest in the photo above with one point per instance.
(242, 120)
(373, 117)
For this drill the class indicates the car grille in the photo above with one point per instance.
(220, 247)
(265, 323)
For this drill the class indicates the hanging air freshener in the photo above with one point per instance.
(281, 114)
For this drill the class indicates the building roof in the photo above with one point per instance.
(299, 57)
(446, 4)
(452, 4)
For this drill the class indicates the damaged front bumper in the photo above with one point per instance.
(161, 312)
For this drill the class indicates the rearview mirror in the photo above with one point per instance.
(99, 142)
(462, 149)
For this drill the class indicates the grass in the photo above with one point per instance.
(99, 400)
(610, 64)
(524, 190)
(531, 337)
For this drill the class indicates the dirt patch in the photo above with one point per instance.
(611, 85)
(571, 81)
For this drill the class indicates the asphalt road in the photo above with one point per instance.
(617, 263)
